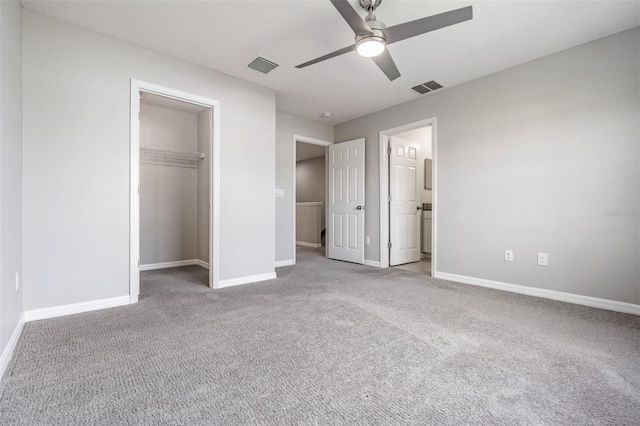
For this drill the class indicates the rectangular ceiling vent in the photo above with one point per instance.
(427, 87)
(263, 65)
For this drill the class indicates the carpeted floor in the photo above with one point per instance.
(326, 343)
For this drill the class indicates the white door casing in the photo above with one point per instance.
(138, 86)
(346, 201)
(404, 205)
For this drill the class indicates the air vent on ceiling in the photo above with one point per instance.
(263, 65)
(427, 87)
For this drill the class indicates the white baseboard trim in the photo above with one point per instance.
(594, 302)
(247, 280)
(202, 263)
(289, 262)
(163, 265)
(306, 244)
(75, 308)
(7, 353)
(373, 263)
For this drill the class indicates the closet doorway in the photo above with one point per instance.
(174, 161)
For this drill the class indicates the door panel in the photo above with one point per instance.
(336, 194)
(337, 230)
(346, 183)
(404, 229)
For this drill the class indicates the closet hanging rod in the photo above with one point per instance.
(170, 157)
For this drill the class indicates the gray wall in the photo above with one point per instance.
(76, 162)
(288, 125)
(204, 146)
(10, 167)
(530, 159)
(310, 180)
(168, 194)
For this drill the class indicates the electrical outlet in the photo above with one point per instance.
(508, 255)
(543, 259)
(367, 240)
(17, 280)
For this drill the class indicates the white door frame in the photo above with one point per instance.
(384, 188)
(312, 141)
(138, 86)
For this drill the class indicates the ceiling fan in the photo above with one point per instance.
(372, 36)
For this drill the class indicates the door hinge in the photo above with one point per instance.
(138, 115)
(388, 150)
(138, 189)
(389, 197)
(138, 263)
(389, 244)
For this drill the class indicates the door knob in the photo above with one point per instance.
(360, 207)
(418, 208)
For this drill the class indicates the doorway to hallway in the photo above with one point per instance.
(309, 192)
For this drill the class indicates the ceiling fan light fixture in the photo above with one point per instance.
(370, 46)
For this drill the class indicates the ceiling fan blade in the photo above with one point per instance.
(328, 56)
(355, 21)
(430, 23)
(385, 62)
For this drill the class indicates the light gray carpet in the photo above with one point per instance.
(326, 343)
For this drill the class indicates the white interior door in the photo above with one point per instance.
(404, 207)
(346, 201)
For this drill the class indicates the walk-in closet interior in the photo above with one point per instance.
(175, 149)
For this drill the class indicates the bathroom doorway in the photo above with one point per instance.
(407, 197)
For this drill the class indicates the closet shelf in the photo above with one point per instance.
(170, 157)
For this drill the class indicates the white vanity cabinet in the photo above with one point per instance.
(426, 231)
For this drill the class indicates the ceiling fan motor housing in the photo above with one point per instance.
(372, 43)
(377, 30)
(375, 33)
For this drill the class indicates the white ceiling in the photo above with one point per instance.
(226, 35)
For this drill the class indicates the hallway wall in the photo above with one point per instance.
(311, 180)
